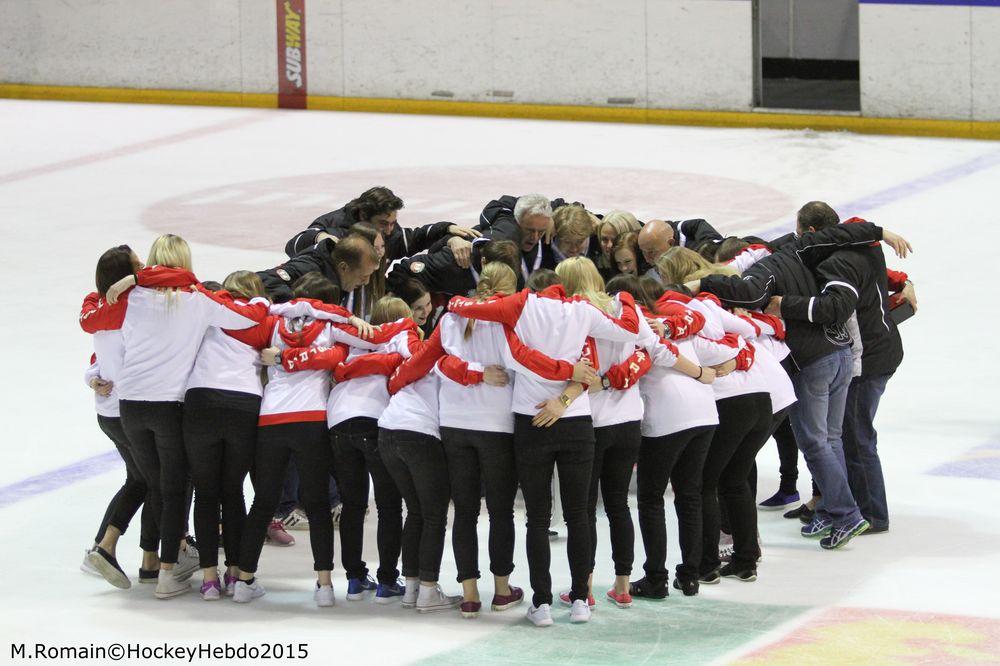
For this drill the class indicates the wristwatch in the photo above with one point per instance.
(605, 383)
(564, 399)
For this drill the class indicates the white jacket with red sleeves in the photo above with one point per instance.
(230, 360)
(555, 326)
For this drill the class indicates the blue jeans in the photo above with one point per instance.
(864, 470)
(817, 420)
(290, 492)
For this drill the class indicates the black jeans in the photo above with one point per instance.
(744, 426)
(355, 457)
(477, 459)
(680, 459)
(126, 502)
(616, 449)
(309, 445)
(416, 463)
(154, 430)
(220, 445)
(568, 446)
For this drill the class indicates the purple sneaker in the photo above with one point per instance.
(230, 582)
(779, 500)
(211, 590)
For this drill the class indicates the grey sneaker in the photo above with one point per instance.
(169, 585)
(430, 599)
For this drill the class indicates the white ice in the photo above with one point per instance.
(76, 179)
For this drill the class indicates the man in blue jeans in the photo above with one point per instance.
(864, 469)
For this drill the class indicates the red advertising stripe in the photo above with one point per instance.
(291, 53)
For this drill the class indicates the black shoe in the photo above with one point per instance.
(107, 566)
(746, 575)
(875, 530)
(646, 589)
(688, 587)
(803, 513)
(149, 575)
(710, 578)
(553, 534)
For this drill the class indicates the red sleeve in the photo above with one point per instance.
(750, 321)
(366, 365)
(774, 322)
(503, 309)
(630, 315)
(295, 359)
(419, 364)
(534, 360)
(628, 372)
(682, 322)
(96, 314)
(259, 336)
(386, 332)
(458, 371)
(897, 280)
(156, 277)
(744, 360)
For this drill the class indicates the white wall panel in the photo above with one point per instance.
(915, 61)
(259, 45)
(986, 63)
(325, 47)
(700, 54)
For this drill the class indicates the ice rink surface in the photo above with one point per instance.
(76, 179)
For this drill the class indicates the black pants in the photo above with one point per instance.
(154, 430)
(476, 460)
(744, 426)
(616, 449)
(417, 464)
(680, 459)
(568, 446)
(126, 502)
(309, 444)
(220, 444)
(355, 457)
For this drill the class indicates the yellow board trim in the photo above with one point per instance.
(965, 129)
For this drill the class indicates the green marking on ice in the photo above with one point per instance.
(675, 630)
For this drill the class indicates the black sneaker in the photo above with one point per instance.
(688, 587)
(710, 578)
(107, 566)
(803, 513)
(746, 575)
(149, 576)
(647, 589)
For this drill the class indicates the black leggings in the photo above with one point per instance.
(616, 448)
(567, 446)
(477, 459)
(308, 443)
(416, 463)
(355, 456)
(744, 426)
(680, 459)
(126, 502)
(154, 431)
(220, 445)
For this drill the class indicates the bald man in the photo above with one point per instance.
(658, 236)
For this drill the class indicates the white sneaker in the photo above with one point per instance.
(579, 612)
(244, 593)
(169, 585)
(540, 616)
(431, 599)
(335, 515)
(410, 596)
(296, 520)
(86, 567)
(187, 563)
(324, 595)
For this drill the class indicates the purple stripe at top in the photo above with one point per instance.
(936, 3)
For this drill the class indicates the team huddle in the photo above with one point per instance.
(548, 349)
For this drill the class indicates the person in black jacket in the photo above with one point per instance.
(856, 290)
(821, 354)
(440, 273)
(658, 236)
(380, 207)
(349, 264)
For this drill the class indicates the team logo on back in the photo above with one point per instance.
(837, 334)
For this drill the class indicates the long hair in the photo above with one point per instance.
(581, 278)
(389, 308)
(244, 284)
(632, 285)
(375, 289)
(170, 250)
(680, 265)
(496, 278)
(113, 265)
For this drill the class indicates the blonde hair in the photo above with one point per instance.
(573, 222)
(496, 278)
(389, 308)
(245, 284)
(580, 278)
(679, 265)
(170, 250)
(621, 221)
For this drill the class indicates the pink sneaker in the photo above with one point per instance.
(211, 590)
(564, 597)
(230, 582)
(502, 603)
(277, 536)
(623, 600)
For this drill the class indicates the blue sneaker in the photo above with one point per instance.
(779, 500)
(842, 535)
(386, 594)
(356, 587)
(817, 528)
